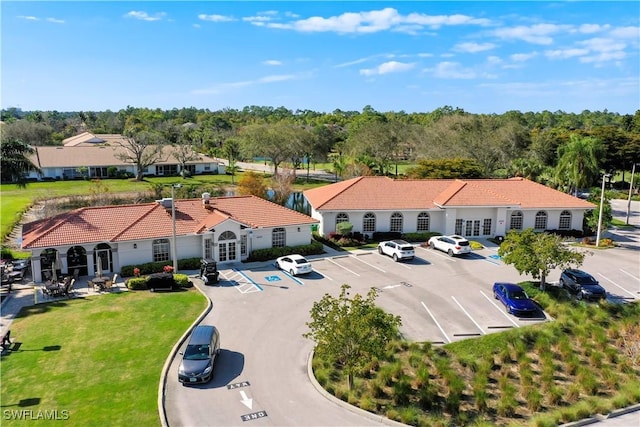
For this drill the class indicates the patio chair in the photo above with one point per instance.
(68, 290)
(6, 341)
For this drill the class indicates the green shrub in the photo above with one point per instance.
(418, 237)
(313, 248)
(137, 283)
(182, 280)
(158, 267)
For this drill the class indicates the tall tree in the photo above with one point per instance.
(15, 162)
(578, 162)
(537, 253)
(351, 331)
(268, 141)
(143, 149)
(185, 149)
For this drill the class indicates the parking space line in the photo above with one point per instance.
(629, 274)
(499, 308)
(614, 283)
(435, 321)
(468, 315)
(437, 252)
(370, 265)
(294, 278)
(251, 283)
(344, 268)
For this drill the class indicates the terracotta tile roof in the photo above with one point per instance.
(383, 193)
(101, 155)
(152, 220)
(90, 139)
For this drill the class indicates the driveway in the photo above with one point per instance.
(261, 376)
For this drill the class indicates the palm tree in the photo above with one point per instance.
(578, 164)
(15, 162)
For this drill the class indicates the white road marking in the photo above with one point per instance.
(435, 321)
(615, 284)
(500, 308)
(629, 274)
(439, 253)
(468, 315)
(370, 265)
(343, 267)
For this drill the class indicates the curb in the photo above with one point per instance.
(598, 418)
(374, 417)
(165, 369)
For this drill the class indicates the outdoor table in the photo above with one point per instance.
(100, 282)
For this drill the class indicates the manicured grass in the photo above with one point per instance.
(579, 365)
(99, 358)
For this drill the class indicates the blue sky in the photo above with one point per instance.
(483, 57)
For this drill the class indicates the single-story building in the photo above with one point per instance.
(226, 229)
(92, 156)
(467, 207)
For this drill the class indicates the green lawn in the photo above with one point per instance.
(97, 358)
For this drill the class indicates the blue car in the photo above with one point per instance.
(515, 299)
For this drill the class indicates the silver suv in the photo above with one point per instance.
(396, 249)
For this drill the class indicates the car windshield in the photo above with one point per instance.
(463, 243)
(196, 352)
(586, 280)
(518, 295)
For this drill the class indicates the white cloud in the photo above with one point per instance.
(632, 33)
(592, 28)
(386, 68)
(387, 19)
(535, 34)
(451, 70)
(214, 18)
(273, 62)
(565, 53)
(472, 47)
(28, 18)
(144, 16)
(55, 20)
(35, 18)
(257, 19)
(225, 87)
(522, 57)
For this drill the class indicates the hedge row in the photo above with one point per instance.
(158, 267)
(313, 248)
(140, 283)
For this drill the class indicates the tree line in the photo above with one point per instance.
(566, 151)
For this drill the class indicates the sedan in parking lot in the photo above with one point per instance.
(582, 285)
(294, 264)
(452, 245)
(397, 249)
(515, 299)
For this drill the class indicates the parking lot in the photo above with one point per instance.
(262, 314)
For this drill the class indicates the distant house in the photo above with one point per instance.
(468, 207)
(98, 154)
(226, 229)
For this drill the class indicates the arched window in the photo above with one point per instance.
(341, 217)
(396, 222)
(369, 223)
(423, 222)
(160, 248)
(541, 221)
(565, 220)
(516, 220)
(227, 235)
(278, 238)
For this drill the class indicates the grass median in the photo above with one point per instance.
(95, 360)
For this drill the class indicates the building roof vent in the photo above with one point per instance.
(166, 202)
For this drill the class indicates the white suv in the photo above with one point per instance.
(453, 245)
(396, 249)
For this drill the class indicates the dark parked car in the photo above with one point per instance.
(199, 356)
(582, 285)
(515, 299)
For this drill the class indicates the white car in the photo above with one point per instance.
(397, 249)
(294, 264)
(453, 245)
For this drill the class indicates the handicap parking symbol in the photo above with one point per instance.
(494, 256)
(272, 278)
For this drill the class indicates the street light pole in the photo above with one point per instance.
(606, 175)
(174, 250)
(633, 170)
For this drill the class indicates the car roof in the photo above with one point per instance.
(202, 334)
(456, 237)
(510, 286)
(400, 242)
(295, 256)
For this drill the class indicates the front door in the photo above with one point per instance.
(472, 227)
(227, 251)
